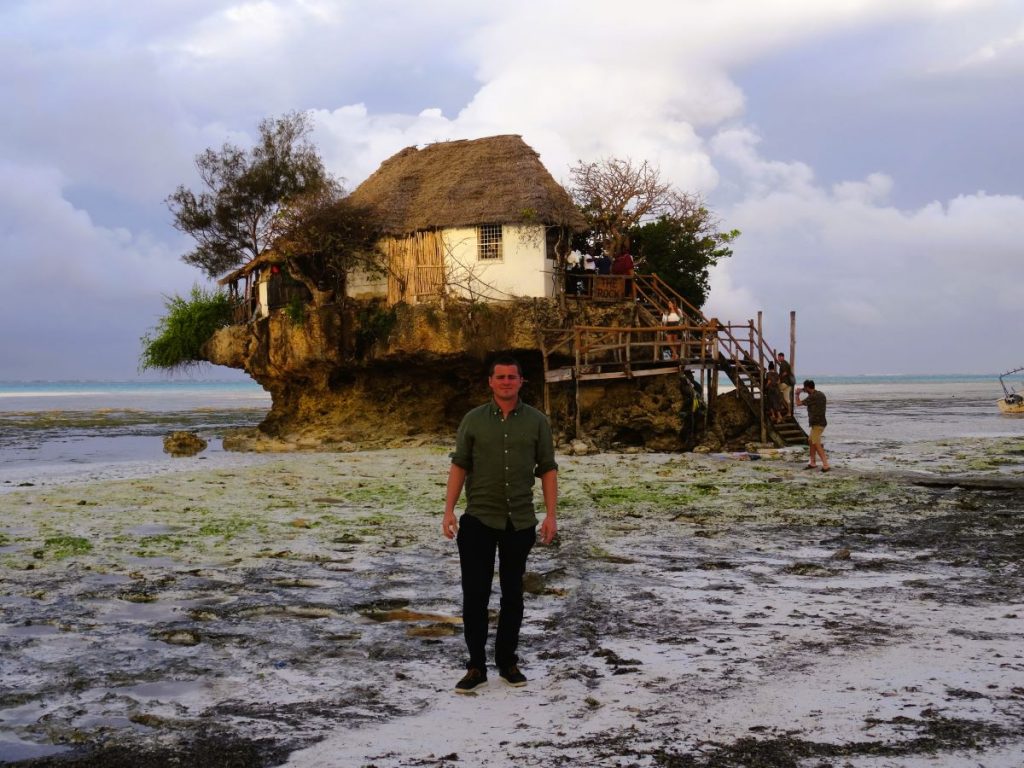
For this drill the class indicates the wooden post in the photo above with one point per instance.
(792, 356)
(547, 387)
(760, 366)
(713, 378)
(576, 376)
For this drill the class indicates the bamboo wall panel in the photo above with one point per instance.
(416, 266)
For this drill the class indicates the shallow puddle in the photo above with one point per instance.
(28, 630)
(14, 750)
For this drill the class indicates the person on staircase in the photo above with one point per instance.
(786, 382)
(774, 405)
(815, 402)
(672, 318)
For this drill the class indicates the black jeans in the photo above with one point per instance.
(477, 545)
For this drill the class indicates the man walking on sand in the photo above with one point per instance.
(815, 402)
(500, 448)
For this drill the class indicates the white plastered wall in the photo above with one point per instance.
(263, 287)
(523, 270)
(363, 285)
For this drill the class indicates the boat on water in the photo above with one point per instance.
(1012, 401)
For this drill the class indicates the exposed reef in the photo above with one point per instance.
(366, 375)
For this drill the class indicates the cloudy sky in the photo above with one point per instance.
(869, 150)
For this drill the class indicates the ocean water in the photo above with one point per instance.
(914, 408)
(58, 432)
(66, 431)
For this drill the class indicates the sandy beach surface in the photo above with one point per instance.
(695, 611)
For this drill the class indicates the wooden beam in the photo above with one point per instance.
(558, 374)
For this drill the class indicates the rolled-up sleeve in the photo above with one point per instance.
(545, 448)
(462, 456)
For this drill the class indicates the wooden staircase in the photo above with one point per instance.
(641, 349)
(745, 374)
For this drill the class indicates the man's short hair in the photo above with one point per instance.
(808, 384)
(780, 354)
(504, 360)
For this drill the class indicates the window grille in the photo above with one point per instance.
(488, 239)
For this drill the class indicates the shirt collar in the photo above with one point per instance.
(495, 409)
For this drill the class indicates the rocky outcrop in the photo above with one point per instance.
(368, 375)
(184, 444)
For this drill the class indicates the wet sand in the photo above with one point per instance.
(695, 611)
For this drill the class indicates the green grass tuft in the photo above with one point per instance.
(60, 547)
(181, 333)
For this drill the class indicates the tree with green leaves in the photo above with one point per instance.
(681, 249)
(323, 236)
(233, 218)
(670, 233)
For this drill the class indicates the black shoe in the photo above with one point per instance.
(472, 680)
(512, 676)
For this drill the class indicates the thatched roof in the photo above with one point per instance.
(495, 180)
(267, 257)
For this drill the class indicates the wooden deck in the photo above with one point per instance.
(589, 354)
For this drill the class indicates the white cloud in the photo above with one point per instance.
(82, 294)
(874, 189)
(1006, 51)
(108, 102)
(238, 30)
(871, 279)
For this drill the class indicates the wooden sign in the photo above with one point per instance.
(608, 288)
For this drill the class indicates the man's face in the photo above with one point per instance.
(505, 382)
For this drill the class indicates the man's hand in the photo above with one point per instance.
(548, 529)
(449, 525)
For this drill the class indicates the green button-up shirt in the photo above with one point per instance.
(501, 458)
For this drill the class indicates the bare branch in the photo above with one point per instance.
(616, 194)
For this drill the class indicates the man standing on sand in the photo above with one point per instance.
(786, 381)
(815, 402)
(500, 448)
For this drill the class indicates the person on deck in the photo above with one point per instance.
(500, 448)
(623, 266)
(815, 402)
(573, 274)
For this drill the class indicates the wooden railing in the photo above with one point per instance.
(649, 348)
(616, 352)
(242, 311)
